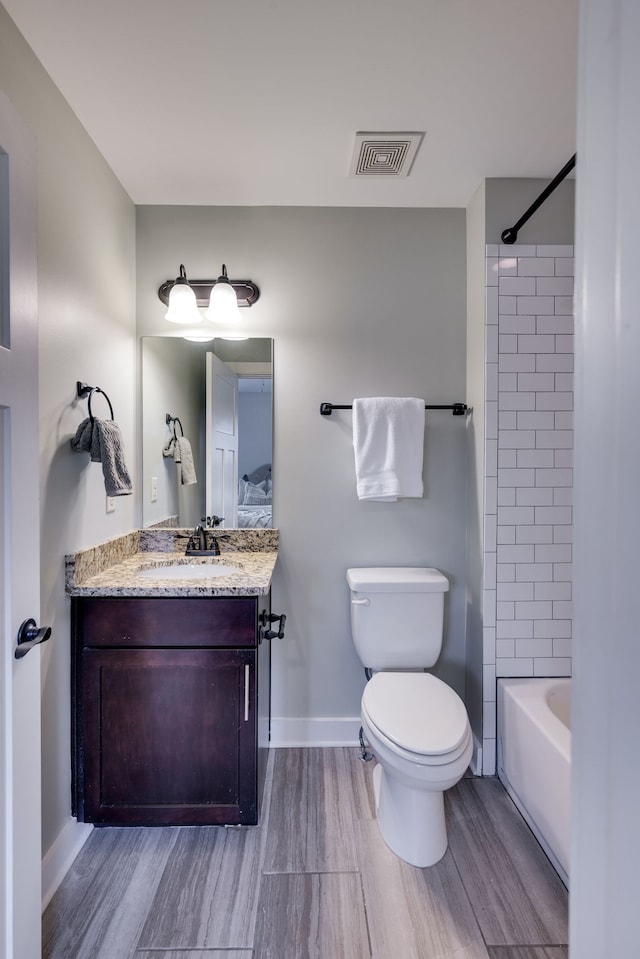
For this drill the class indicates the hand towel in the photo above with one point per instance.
(81, 442)
(183, 454)
(102, 439)
(388, 442)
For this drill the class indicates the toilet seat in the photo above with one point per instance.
(417, 716)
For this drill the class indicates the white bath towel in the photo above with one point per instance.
(388, 443)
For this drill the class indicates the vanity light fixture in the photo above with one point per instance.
(245, 290)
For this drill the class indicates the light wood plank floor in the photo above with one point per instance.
(313, 881)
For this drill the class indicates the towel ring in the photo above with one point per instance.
(169, 420)
(97, 389)
(84, 390)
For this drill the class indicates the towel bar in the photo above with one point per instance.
(458, 409)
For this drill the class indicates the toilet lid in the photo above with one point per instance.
(397, 579)
(416, 711)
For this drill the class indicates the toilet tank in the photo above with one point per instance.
(397, 615)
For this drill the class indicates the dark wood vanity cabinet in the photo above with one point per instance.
(170, 710)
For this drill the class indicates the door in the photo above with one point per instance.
(20, 880)
(222, 442)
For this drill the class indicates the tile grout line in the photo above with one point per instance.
(157, 885)
(464, 888)
(366, 914)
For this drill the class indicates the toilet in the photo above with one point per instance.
(415, 725)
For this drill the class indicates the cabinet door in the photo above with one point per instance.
(168, 736)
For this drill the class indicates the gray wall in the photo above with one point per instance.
(359, 302)
(172, 381)
(508, 199)
(86, 263)
(255, 425)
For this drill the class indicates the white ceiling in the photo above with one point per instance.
(256, 102)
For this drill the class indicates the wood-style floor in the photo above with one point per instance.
(314, 880)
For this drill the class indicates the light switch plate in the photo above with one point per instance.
(111, 504)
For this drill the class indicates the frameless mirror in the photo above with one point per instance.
(207, 422)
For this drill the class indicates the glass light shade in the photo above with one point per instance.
(223, 304)
(183, 307)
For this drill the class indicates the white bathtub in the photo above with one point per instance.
(534, 758)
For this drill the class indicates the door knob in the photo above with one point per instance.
(30, 635)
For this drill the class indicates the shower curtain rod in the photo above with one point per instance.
(458, 409)
(510, 235)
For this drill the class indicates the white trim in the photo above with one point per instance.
(605, 827)
(260, 371)
(304, 731)
(476, 759)
(60, 856)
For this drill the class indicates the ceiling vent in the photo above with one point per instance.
(384, 154)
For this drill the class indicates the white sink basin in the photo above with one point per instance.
(190, 571)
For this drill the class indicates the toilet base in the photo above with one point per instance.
(411, 821)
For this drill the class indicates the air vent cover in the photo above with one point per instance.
(384, 154)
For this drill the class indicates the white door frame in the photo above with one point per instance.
(20, 759)
(605, 826)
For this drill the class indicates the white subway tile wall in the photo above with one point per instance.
(528, 478)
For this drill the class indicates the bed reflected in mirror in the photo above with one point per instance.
(207, 422)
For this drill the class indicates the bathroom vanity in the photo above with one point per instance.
(170, 691)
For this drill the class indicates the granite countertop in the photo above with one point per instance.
(116, 568)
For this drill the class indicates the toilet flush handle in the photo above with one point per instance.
(361, 602)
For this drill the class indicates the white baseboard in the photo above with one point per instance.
(303, 731)
(60, 856)
(476, 758)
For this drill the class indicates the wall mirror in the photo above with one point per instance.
(218, 395)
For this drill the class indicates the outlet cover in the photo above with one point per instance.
(154, 489)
